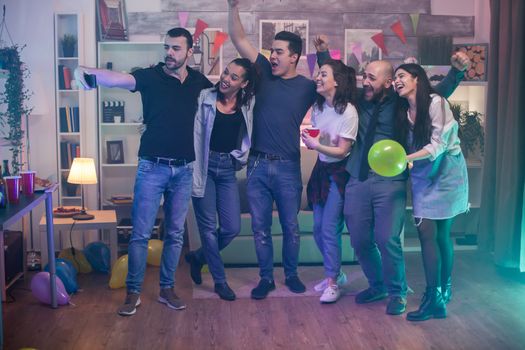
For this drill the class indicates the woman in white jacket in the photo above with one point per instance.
(222, 139)
(426, 126)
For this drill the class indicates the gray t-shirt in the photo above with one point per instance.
(280, 106)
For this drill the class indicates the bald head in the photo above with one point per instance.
(377, 79)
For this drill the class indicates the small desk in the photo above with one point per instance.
(12, 214)
(104, 220)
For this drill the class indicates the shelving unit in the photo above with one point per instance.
(118, 178)
(69, 104)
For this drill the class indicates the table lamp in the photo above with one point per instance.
(82, 172)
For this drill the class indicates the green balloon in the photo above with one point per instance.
(387, 158)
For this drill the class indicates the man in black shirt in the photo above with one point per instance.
(169, 93)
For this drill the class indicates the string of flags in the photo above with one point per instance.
(355, 48)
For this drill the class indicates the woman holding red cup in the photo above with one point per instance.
(334, 129)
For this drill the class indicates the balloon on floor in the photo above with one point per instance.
(387, 158)
(119, 273)
(98, 255)
(154, 252)
(77, 258)
(42, 292)
(67, 275)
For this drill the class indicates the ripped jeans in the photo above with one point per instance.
(278, 180)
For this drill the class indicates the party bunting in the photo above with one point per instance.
(397, 28)
(183, 18)
(335, 54)
(311, 58)
(357, 50)
(379, 39)
(220, 38)
(415, 20)
(200, 26)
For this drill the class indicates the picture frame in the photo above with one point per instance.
(115, 152)
(436, 74)
(269, 27)
(478, 54)
(112, 24)
(358, 42)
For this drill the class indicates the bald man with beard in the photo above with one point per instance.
(375, 206)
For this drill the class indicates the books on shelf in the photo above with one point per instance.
(121, 199)
(64, 77)
(69, 119)
(68, 151)
(112, 109)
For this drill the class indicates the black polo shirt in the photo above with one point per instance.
(169, 111)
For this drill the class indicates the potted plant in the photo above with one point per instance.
(14, 96)
(471, 131)
(69, 41)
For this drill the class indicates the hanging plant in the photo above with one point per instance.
(13, 100)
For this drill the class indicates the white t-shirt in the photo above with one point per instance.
(332, 126)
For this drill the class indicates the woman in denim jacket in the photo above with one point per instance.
(222, 139)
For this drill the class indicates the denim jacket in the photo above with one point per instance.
(204, 120)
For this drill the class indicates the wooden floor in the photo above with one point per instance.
(487, 312)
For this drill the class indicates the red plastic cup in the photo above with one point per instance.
(28, 182)
(12, 188)
(313, 132)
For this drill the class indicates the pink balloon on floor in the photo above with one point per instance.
(41, 290)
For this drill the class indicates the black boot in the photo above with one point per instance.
(446, 290)
(432, 305)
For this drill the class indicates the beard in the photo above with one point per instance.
(172, 64)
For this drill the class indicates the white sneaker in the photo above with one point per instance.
(321, 286)
(341, 279)
(330, 295)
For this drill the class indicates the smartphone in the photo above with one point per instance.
(91, 80)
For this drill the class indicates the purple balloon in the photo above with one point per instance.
(41, 290)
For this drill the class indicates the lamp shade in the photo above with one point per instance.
(82, 172)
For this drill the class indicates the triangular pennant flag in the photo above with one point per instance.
(311, 58)
(379, 39)
(199, 29)
(220, 38)
(397, 28)
(335, 54)
(183, 18)
(357, 50)
(415, 20)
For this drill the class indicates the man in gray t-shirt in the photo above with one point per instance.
(274, 166)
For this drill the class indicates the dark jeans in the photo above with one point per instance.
(278, 180)
(375, 213)
(221, 198)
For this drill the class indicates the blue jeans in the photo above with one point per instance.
(375, 214)
(278, 180)
(221, 197)
(152, 182)
(328, 227)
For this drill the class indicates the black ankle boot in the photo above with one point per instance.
(446, 290)
(432, 305)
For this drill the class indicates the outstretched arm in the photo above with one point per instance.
(321, 44)
(105, 77)
(237, 34)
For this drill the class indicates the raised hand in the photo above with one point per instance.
(320, 41)
(460, 61)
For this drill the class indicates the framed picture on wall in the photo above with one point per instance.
(360, 49)
(115, 152)
(269, 27)
(112, 20)
(205, 58)
(478, 54)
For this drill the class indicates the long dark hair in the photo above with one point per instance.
(423, 124)
(245, 94)
(346, 90)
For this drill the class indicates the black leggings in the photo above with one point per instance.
(436, 249)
